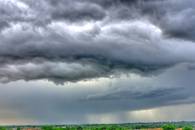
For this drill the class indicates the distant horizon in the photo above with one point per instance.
(64, 124)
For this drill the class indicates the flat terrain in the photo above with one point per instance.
(125, 126)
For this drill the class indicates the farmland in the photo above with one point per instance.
(125, 126)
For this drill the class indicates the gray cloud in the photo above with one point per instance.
(129, 95)
(176, 18)
(44, 102)
(106, 56)
(3, 24)
(78, 11)
(110, 37)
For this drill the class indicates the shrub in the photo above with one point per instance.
(2, 128)
(169, 127)
(187, 128)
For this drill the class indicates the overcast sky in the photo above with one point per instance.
(96, 61)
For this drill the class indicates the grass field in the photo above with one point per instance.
(127, 126)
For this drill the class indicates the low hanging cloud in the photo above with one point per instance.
(77, 40)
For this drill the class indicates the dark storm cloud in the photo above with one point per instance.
(119, 55)
(77, 12)
(176, 17)
(3, 24)
(89, 39)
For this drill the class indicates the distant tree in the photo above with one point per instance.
(187, 127)
(103, 128)
(47, 128)
(79, 128)
(18, 128)
(58, 128)
(169, 127)
(67, 128)
(112, 128)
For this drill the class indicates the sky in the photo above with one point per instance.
(96, 61)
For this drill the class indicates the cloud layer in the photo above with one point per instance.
(106, 36)
(102, 101)
(117, 57)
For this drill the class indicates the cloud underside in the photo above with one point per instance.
(79, 40)
(125, 99)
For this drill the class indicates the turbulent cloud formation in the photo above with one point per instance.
(106, 36)
(116, 57)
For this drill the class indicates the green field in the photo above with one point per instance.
(125, 126)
